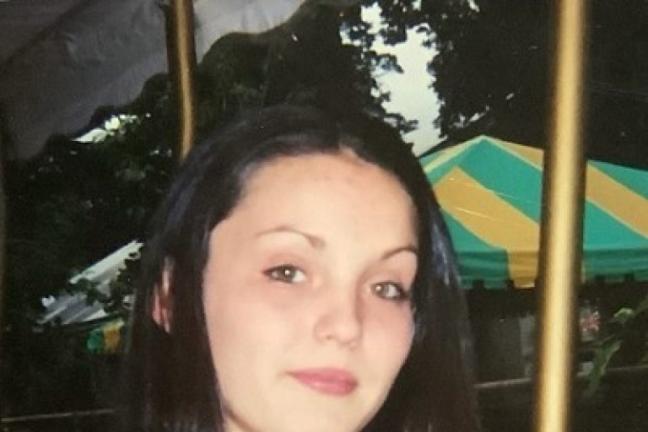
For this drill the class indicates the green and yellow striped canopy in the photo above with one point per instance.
(490, 194)
(107, 338)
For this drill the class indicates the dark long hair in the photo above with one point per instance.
(171, 380)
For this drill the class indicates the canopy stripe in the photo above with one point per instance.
(490, 194)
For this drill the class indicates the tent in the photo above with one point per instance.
(61, 60)
(73, 310)
(490, 194)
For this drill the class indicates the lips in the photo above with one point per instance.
(330, 381)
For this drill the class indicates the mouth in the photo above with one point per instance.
(329, 381)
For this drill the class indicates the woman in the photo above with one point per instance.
(299, 279)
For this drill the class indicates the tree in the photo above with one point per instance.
(491, 70)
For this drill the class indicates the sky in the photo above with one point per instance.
(411, 94)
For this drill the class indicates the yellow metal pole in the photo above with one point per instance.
(562, 219)
(3, 236)
(182, 64)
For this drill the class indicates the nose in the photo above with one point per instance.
(339, 319)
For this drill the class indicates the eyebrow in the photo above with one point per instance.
(315, 241)
(390, 253)
(319, 243)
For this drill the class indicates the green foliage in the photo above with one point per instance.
(67, 208)
(77, 202)
(626, 336)
(603, 353)
(70, 206)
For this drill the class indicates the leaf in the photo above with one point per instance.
(623, 316)
(642, 306)
(602, 357)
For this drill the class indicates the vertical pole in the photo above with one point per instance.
(3, 237)
(562, 220)
(182, 65)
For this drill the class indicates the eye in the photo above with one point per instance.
(390, 291)
(286, 273)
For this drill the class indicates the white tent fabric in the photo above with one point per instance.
(73, 308)
(23, 21)
(100, 52)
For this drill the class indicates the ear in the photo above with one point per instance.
(162, 307)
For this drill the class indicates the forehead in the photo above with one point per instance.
(342, 172)
(322, 189)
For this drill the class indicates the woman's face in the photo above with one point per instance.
(306, 295)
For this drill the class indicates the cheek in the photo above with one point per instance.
(245, 341)
(248, 322)
(390, 337)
